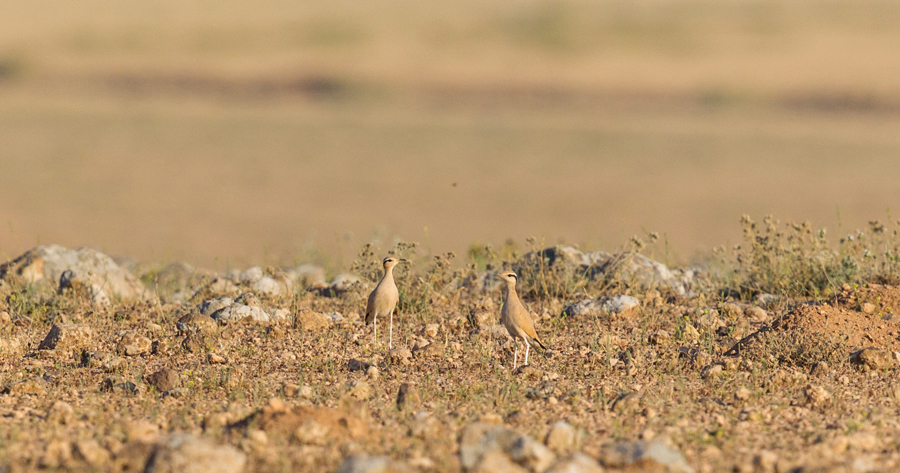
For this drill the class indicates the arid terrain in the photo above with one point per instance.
(196, 197)
(649, 368)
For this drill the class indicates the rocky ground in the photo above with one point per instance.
(115, 366)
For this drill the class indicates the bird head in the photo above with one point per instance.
(510, 278)
(391, 261)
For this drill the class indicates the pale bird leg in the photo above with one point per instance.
(515, 354)
(391, 331)
(527, 346)
(375, 324)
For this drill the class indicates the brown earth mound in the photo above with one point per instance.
(856, 318)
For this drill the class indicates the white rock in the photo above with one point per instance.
(237, 312)
(269, 286)
(49, 262)
(250, 275)
(183, 453)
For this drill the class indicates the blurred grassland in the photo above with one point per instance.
(226, 133)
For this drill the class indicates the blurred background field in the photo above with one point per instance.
(228, 133)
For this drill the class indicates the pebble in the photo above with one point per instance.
(164, 379)
(650, 455)
(215, 359)
(132, 344)
(359, 390)
(67, 337)
(184, 453)
(561, 437)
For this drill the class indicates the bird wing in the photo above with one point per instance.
(370, 309)
(524, 320)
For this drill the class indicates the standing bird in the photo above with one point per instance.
(383, 299)
(516, 318)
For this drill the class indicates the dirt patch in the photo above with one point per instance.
(856, 318)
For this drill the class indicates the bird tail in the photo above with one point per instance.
(539, 342)
(370, 317)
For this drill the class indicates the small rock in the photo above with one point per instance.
(211, 306)
(819, 369)
(250, 275)
(198, 342)
(362, 463)
(432, 350)
(4, 318)
(496, 462)
(215, 359)
(154, 328)
(481, 440)
(164, 379)
(430, 330)
(372, 373)
(576, 463)
(660, 338)
(184, 453)
(873, 359)
(269, 286)
(306, 274)
(400, 355)
(408, 397)
(237, 312)
(742, 394)
(132, 344)
(643, 455)
(756, 314)
(113, 364)
(868, 308)
(308, 320)
(816, 395)
(359, 390)
(619, 304)
(711, 371)
(36, 386)
(197, 323)
(112, 384)
(67, 337)
(561, 438)
(357, 365)
(343, 282)
(691, 333)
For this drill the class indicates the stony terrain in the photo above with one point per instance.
(116, 366)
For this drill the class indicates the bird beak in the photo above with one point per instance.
(404, 260)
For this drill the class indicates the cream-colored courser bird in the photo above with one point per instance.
(516, 318)
(383, 299)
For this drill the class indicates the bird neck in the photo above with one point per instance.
(511, 292)
(388, 274)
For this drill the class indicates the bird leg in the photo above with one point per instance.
(375, 324)
(527, 346)
(391, 332)
(515, 354)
